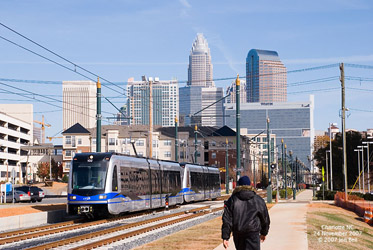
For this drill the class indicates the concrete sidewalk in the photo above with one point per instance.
(288, 229)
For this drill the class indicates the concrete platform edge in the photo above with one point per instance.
(31, 220)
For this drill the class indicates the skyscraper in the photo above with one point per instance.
(200, 91)
(165, 100)
(200, 67)
(265, 77)
(79, 103)
(231, 91)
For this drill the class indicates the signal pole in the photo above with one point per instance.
(98, 117)
(341, 67)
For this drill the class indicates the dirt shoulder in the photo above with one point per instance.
(11, 211)
(330, 227)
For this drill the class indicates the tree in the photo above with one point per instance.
(43, 170)
(55, 169)
(353, 139)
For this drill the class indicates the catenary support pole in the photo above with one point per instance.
(226, 167)
(98, 117)
(176, 142)
(238, 128)
(269, 187)
(195, 145)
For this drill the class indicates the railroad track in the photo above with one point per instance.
(71, 234)
(31, 233)
(180, 216)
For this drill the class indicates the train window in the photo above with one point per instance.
(114, 183)
(89, 175)
(156, 182)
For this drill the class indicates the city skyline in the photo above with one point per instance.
(133, 38)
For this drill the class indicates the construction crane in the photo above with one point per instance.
(53, 137)
(43, 124)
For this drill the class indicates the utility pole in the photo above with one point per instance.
(98, 117)
(341, 67)
(269, 187)
(195, 145)
(238, 128)
(150, 118)
(176, 142)
(226, 167)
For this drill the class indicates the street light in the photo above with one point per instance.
(331, 154)
(362, 163)
(327, 162)
(358, 165)
(368, 142)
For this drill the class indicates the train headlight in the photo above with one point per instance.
(102, 196)
(73, 197)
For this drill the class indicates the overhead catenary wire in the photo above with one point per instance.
(46, 97)
(55, 63)
(63, 58)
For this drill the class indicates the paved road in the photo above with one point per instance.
(288, 229)
(43, 202)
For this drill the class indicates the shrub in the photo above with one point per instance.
(302, 186)
(282, 193)
(328, 195)
(368, 197)
(65, 179)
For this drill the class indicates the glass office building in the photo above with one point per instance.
(265, 77)
(291, 121)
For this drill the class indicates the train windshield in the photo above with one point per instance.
(89, 175)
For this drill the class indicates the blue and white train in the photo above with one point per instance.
(110, 183)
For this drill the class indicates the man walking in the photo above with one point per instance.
(246, 215)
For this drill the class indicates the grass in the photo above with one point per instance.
(205, 236)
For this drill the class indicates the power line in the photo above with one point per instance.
(314, 90)
(360, 66)
(361, 110)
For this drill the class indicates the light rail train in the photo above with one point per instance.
(109, 183)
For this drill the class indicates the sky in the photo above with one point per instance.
(119, 39)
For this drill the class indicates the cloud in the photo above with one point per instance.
(186, 7)
(217, 41)
(185, 3)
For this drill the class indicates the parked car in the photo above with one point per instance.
(32, 191)
(41, 194)
(19, 196)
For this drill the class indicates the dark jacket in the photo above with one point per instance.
(245, 212)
